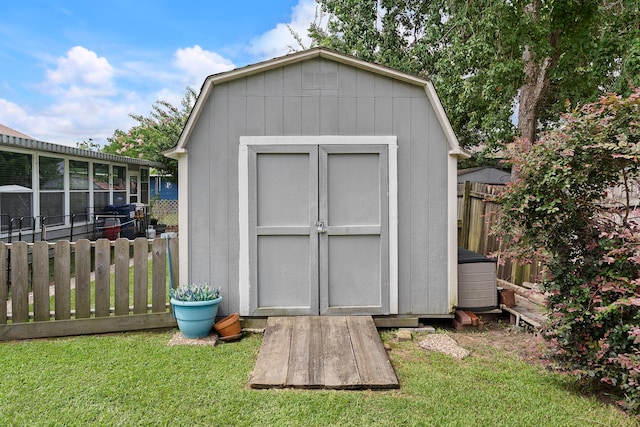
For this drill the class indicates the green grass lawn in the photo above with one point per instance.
(136, 379)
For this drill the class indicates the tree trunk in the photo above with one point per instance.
(532, 94)
(536, 82)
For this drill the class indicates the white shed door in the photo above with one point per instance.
(318, 229)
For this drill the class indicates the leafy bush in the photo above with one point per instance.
(195, 292)
(562, 207)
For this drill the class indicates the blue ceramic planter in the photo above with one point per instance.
(195, 318)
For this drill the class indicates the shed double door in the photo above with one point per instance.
(318, 229)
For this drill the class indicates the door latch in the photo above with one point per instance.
(320, 228)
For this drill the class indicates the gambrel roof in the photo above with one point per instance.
(318, 52)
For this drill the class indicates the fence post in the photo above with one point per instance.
(466, 215)
(520, 273)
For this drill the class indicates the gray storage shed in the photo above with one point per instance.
(318, 183)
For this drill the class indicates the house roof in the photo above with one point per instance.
(6, 130)
(17, 139)
(318, 52)
(484, 174)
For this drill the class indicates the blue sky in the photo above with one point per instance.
(71, 70)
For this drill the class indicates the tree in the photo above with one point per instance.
(89, 145)
(154, 134)
(489, 58)
(562, 209)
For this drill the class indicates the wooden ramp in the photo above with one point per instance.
(335, 352)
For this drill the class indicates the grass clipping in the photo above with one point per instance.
(444, 344)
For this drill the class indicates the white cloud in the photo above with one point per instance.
(70, 120)
(196, 64)
(86, 102)
(92, 96)
(279, 40)
(81, 72)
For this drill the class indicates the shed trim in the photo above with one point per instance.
(243, 195)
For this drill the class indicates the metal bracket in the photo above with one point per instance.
(320, 227)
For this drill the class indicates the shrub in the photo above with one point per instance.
(561, 207)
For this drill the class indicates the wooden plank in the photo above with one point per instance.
(40, 283)
(62, 274)
(334, 352)
(4, 283)
(340, 367)
(463, 240)
(273, 360)
(463, 318)
(60, 328)
(396, 322)
(140, 275)
(83, 279)
(102, 279)
(159, 276)
(121, 281)
(373, 363)
(19, 283)
(474, 319)
(306, 366)
(174, 247)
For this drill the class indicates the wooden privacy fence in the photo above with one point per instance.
(105, 300)
(477, 206)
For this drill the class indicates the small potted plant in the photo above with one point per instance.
(229, 328)
(195, 307)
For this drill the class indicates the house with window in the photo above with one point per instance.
(50, 191)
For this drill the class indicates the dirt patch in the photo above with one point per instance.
(496, 337)
(526, 344)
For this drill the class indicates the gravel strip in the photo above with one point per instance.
(444, 344)
(179, 339)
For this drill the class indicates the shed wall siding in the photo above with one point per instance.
(321, 97)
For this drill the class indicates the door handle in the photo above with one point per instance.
(320, 227)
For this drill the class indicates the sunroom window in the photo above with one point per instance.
(79, 189)
(51, 173)
(16, 194)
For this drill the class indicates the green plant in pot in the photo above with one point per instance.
(195, 306)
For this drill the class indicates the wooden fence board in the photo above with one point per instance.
(477, 208)
(77, 319)
(140, 275)
(4, 283)
(62, 271)
(175, 262)
(40, 282)
(121, 279)
(19, 282)
(83, 278)
(159, 276)
(102, 277)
